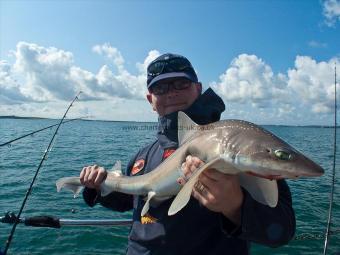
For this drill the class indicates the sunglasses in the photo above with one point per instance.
(168, 66)
(163, 88)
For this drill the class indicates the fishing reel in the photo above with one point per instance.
(10, 218)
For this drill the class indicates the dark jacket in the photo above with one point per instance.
(195, 229)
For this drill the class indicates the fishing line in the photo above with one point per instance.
(333, 173)
(10, 237)
(37, 131)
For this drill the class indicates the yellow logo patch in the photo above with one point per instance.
(148, 219)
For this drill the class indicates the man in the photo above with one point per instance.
(221, 218)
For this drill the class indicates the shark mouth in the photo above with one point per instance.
(269, 177)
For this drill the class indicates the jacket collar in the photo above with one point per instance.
(206, 109)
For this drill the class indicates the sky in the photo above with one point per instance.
(272, 62)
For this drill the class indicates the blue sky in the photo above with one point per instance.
(271, 61)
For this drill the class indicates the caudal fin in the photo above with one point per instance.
(71, 183)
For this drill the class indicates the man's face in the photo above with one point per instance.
(175, 99)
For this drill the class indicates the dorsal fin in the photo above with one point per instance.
(186, 128)
(117, 168)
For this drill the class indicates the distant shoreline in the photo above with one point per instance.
(122, 121)
(81, 119)
(18, 117)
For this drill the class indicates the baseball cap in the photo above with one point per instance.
(169, 66)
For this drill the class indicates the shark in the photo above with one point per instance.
(258, 157)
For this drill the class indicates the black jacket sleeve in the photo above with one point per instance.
(265, 225)
(116, 201)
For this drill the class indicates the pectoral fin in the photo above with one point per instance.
(105, 189)
(262, 190)
(146, 207)
(183, 196)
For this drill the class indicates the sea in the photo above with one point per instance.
(81, 143)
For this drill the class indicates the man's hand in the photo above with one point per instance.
(93, 176)
(217, 191)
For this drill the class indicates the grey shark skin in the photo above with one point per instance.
(257, 156)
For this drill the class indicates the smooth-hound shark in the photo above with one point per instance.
(258, 157)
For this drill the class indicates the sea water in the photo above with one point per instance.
(81, 143)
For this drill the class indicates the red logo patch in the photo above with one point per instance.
(138, 166)
(168, 152)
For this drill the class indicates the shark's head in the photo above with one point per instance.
(282, 162)
(252, 149)
(263, 154)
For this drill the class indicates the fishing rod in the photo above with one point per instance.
(10, 237)
(54, 222)
(333, 172)
(37, 131)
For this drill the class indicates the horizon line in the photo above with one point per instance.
(83, 119)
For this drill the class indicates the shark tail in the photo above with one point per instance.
(71, 183)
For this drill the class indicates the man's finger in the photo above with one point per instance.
(200, 197)
(86, 175)
(193, 168)
(207, 181)
(181, 180)
(184, 168)
(216, 175)
(92, 176)
(101, 176)
(196, 161)
(82, 174)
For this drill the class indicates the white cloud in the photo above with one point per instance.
(46, 71)
(153, 54)
(313, 83)
(123, 83)
(331, 10)
(250, 81)
(50, 74)
(10, 92)
(111, 53)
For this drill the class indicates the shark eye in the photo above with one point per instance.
(283, 155)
